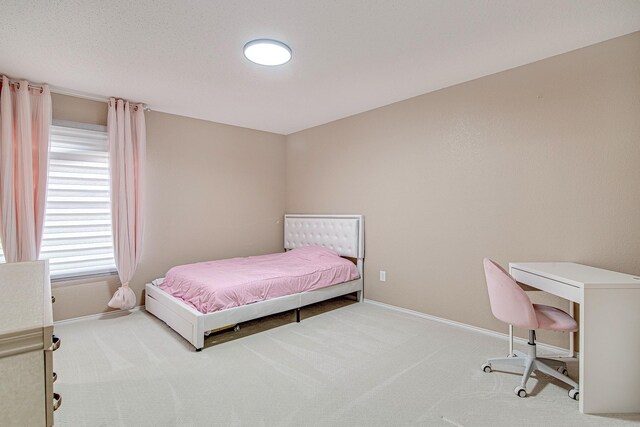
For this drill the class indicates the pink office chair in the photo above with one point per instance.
(511, 304)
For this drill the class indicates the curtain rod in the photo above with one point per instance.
(31, 85)
(74, 93)
(90, 96)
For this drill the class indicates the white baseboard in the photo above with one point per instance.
(551, 348)
(105, 315)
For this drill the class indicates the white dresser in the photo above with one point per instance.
(26, 346)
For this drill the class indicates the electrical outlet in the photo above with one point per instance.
(383, 276)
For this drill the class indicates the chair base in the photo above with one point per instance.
(529, 362)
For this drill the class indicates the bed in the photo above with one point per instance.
(342, 234)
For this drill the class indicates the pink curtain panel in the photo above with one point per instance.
(127, 152)
(25, 121)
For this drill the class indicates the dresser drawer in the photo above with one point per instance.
(22, 394)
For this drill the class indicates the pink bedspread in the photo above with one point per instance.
(217, 285)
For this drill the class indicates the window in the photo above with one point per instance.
(77, 238)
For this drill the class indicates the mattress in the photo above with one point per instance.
(218, 285)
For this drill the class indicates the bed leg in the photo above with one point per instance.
(359, 296)
(198, 349)
(298, 315)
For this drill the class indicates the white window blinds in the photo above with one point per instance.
(77, 237)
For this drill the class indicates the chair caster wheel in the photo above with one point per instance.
(520, 391)
(236, 328)
(574, 394)
(563, 370)
(486, 368)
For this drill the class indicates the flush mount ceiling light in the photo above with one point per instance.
(267, 52)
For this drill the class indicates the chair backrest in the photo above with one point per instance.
(509, 302)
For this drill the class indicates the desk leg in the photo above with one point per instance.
(609, 343)
(572, 335)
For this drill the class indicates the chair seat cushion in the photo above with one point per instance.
(554, 319)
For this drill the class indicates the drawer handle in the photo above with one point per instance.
(53, 299)
(57, 401)
(56, 343)
(55, 377)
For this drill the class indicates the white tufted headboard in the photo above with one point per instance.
(341, 233)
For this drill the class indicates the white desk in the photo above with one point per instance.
(609, 329)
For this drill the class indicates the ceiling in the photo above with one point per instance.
(185, 56)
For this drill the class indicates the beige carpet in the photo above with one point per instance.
(357, 365)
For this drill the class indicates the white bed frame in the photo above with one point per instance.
(341, 233)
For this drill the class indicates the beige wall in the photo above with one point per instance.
(213, 191)
(541, 162)
(537, 163)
